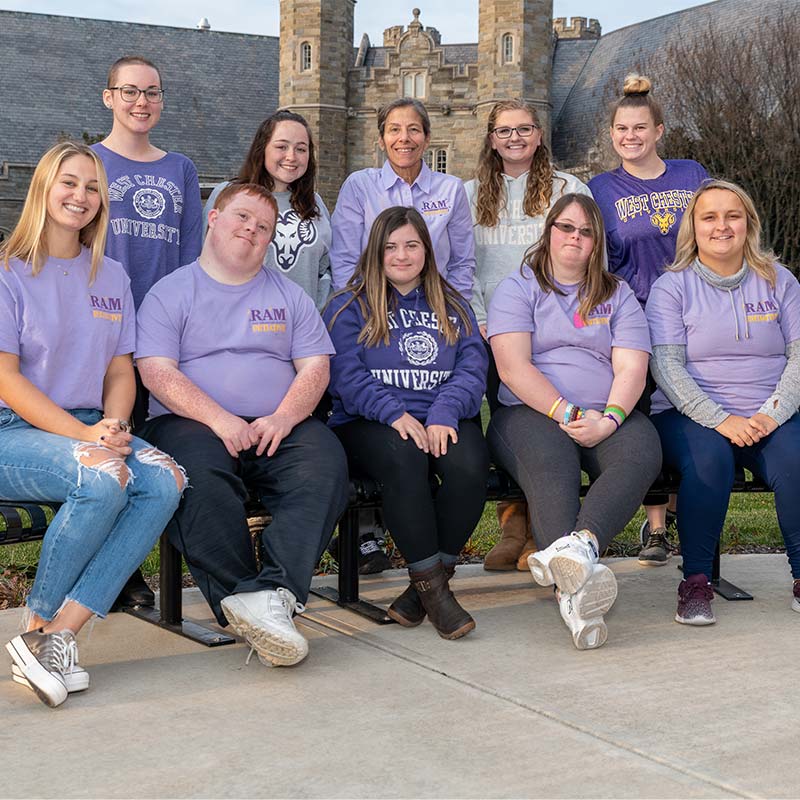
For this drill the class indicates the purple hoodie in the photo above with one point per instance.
(418, 372)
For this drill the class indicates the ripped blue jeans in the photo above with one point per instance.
(113, 510)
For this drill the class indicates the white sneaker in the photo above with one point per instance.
(567, 562)
(583, 611)
(43, 659)
(76, 679)
(264, 620)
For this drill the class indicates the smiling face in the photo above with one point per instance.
(286, 154)
(404, 139)
(240, 233)
(570, 251)
(141, 116)
(720, 228)
(404, 258)
(74, 198)
(517, 151)
(635, 135)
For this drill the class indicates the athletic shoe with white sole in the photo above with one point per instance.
(567, 562)
(694, 601)
(583, 611)
(76, 680)
(43, 658)
(264, 620)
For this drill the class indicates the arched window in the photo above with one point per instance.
(305, 56)
(436, 159)
(508, 48)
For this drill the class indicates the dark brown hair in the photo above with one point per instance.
(636, 94)
(254, 171)
(598, 284)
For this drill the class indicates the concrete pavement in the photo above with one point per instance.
(512, 710)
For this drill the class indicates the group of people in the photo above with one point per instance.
(418, 297)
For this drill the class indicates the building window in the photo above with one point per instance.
(414, 85)
(436, 159)
(305, 56)
(508, 48)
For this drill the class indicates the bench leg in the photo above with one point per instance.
(723, 588)
(170, 613)
(347, 595)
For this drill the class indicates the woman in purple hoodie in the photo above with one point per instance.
(407, 381)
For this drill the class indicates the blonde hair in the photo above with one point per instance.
(28, 240)
(759, 260)
(636, 94)
(491, 197)
(598, 284)
(370, 287)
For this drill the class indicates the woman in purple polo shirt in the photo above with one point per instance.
(66, 392)
(642, 202)
(571, 346)
(725, 326)
(407, 379)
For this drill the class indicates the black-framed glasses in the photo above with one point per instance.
(130, 94)
(522, 130)
(568, 227)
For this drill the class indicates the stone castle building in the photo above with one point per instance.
(220, 86)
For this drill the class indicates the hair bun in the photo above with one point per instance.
(636, 84)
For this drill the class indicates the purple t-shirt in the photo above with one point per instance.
(64, 331)
(236, 343)
(735, 340)
(642, 218)
(574, 356)
(156, 216)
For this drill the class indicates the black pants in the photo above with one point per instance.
(304, 486)
(421, 523)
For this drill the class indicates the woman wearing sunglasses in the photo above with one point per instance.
(571, 345)
(516, 185)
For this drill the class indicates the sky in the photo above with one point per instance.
(457, 20)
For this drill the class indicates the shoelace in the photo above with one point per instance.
(290, 604)
(63, 654)
(658, 540)
(697, 591)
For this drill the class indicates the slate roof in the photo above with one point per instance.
(218, 86)
(582, 113)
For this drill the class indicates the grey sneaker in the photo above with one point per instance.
(264, 620)
(657, 549)
(76, 680)
(43, 658)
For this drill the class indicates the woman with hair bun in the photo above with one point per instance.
(515, 186)
(725, 325)
(642, 202)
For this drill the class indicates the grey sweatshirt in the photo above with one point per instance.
(299, 249)
(499, 250)
(668, 366)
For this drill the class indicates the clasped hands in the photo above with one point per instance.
(744, 431)
(238, 434)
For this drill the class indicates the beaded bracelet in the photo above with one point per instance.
(613, 419)
(577, 413)
(555, 406)
(568, 413)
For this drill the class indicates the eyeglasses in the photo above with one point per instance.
(566, 227)
(522, 130)
(130, 94)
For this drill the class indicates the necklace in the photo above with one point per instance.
(63, 269)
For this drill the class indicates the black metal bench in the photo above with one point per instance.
(24, 522)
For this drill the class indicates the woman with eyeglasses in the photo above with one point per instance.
(643, 201)
(515, 187)
(572, 346)
(155, 221)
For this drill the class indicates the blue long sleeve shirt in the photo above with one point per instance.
(417, 372)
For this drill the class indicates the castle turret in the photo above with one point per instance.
(515, 55)
(316, 46)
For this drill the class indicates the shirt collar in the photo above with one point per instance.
(389, 177)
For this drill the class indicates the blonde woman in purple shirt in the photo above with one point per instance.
(571, 345)
(66, 392)
(725, 326)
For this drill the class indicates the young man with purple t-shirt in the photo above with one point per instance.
(236, 358)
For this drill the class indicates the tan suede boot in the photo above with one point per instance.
(513, 519)
(529, 546)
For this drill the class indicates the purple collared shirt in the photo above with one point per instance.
(440, 199)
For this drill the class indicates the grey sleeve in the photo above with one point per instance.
(785, 400)
(668, 366)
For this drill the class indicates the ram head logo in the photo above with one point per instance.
(292, 234)
(663, 220)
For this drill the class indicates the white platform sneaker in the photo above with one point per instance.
(567, 562)
(583, 611)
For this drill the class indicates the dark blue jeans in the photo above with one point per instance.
(304, 486)
(706, 461)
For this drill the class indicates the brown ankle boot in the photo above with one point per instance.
(450, 620)
(407, 609)
(527, 548)
(513, 519)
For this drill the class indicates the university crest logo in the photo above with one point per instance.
(149, 203)
(419, 349)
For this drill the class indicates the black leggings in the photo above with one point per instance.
(422, 523)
